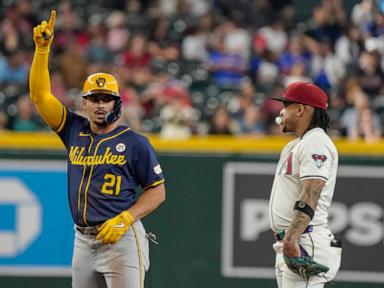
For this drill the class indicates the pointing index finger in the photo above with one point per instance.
(52, 20)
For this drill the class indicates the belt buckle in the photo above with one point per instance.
(309, 229)
(88, 230)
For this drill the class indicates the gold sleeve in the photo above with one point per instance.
(49, 107)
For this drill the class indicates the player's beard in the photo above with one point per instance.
(283, 124)
(286, 128)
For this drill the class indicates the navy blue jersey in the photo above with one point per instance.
(105, 170)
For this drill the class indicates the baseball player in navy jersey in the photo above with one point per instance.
(303, 187)
(107, 162)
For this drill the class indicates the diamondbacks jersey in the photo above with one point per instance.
(314, 156)
(105, 170)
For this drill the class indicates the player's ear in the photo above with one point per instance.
(299, 109)
(83, 103)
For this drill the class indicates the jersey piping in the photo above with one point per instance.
(271, 214)
(63, 119)
(84, 169)
(154, 184)
(91, 171)
(139, 254)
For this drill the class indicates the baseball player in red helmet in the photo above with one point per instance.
(307, 254)
(107, 162)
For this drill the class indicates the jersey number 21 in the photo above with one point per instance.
(111, 184)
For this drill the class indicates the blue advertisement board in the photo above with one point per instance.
(36, 228)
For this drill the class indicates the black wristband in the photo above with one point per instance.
(305, 208)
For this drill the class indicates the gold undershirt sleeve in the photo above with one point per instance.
(50, 108)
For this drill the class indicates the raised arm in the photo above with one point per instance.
(49, 107)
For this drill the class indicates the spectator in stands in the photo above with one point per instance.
(118, 34)
(25, 19)
(275, 36)
(267, 73)
(295, 62)
(194, 45)
(97, 53)
(221, 122)
(161, 91)
(295, 54)
(252, 122)
(349, 46)
(73, 65)
(376, 27)
(13, 68)
(326, 69)
(69, 28)
(326, 24)
(370, 74)
(161, 46)
(177, 120)
(228, 69)
(236, 39)
(362, 13)
(360, 121)
(25, 119)
(137, 56)
(199, 7)
(244, 98)
(202, 48)
(337, 17)
(11, 38)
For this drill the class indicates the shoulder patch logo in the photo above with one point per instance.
(319, 159)
(100, 82)
(157, 169)
(120, 147)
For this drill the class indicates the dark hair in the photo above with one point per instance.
(320, 118)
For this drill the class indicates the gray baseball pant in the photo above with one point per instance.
(119, 265)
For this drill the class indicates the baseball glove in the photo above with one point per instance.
(305, 266)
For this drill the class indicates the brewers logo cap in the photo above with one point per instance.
(304, 93)
(101, 83)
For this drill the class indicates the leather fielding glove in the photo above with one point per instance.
(113, 229)
(43, 33)
(305, 266)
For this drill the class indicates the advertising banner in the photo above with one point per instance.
(36, 229)
(356, 216)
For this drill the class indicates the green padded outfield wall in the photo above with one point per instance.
(189, 225)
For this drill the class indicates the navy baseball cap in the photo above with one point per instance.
(304, 93)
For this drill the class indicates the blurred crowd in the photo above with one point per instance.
(201, 67)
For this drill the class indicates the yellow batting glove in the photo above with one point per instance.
(113, 229)
(43, 33)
